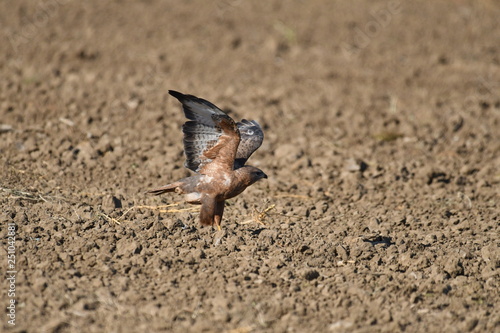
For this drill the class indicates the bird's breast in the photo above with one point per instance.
(223, 185)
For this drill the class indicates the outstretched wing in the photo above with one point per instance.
(211, 137)
(251, 138)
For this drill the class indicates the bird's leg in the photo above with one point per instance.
(219, 210)
(217, 220)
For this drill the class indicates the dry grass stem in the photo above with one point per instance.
(23, 195)
(296, 196)
(260, 216)
(160, 208)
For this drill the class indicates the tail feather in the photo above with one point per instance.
(164, 189)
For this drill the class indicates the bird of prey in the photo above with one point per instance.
(216, 148)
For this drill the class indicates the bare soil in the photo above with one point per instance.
(381, 211)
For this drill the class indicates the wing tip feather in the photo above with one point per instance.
(180, 96)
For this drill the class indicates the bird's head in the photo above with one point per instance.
(254, 174)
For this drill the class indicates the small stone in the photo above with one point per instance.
(471, 324)
(454, 267)
(354, 165)
(110, 203)
(124, 247)
(342, 252)
(4, 128)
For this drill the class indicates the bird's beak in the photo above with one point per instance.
(265, 176)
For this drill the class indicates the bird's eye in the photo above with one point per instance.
(249, 132)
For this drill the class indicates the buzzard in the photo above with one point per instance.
(216, 148)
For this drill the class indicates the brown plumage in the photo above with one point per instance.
(217, 149)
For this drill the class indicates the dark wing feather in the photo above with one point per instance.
(251, 138)
(211, 137)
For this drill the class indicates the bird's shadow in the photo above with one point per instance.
(376, 240)
(256, 232)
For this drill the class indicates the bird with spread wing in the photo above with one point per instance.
(216, 148)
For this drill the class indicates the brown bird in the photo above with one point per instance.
(216, 148)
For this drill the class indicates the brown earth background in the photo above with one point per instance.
(382, 148)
